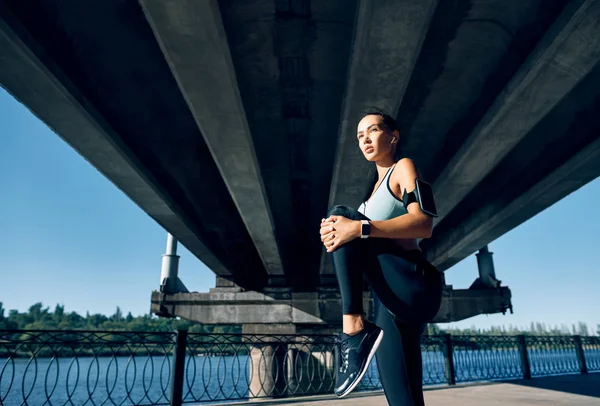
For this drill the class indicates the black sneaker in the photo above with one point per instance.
(354, 354)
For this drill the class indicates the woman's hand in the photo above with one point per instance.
(338, 230)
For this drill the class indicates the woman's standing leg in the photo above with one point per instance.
(405, 297)
(399, 359)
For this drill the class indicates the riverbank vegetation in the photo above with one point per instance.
(39, 317)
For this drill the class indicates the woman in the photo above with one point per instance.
(406, 288)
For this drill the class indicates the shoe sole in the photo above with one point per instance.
(371, 354)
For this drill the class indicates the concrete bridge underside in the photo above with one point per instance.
(232, 123)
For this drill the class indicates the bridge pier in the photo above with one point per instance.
(268, 370)
(283, 364)
(485, 264)
(169, 281)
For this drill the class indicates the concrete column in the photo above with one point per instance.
(267, 369)
(316, 374)
(485, 263)
(170, 266)
(281, 368)
(292, 363)
(310, 370)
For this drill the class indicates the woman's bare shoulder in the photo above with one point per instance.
(404, 166)
(404, 175)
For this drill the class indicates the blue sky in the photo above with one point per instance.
(69, 236)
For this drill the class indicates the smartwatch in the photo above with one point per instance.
(365, 229)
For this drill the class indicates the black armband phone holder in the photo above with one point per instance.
(408, 198)
(423, 194)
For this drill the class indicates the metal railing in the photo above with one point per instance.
(145, 368)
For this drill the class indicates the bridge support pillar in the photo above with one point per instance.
(169, 281)
(268, 359)
(485, 263)
(282, 363)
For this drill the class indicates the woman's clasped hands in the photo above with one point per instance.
(338, 230)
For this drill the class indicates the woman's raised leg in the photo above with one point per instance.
(354, 350)
(399, 285)
(348, 262)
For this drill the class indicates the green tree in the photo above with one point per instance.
(59, 313)
(37, 312)
(5, 324)
(118, 316)
(583, 329)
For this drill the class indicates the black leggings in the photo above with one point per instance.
(407, 293)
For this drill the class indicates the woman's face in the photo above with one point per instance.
(375, 140)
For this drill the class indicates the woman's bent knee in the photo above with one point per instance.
(338, 210)
(345, 211)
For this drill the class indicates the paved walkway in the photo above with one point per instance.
(566, 390)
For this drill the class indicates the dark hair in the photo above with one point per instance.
(388, 120)
(372, 175)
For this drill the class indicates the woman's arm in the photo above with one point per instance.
(414, 224)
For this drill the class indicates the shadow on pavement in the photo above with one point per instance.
(586, 385)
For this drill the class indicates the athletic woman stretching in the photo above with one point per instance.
(379, 241)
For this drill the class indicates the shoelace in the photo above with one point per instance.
(344, 350)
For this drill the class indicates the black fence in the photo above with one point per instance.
(144, 368)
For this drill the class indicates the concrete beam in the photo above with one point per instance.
(490, 222)
(232, 306)
(33, 78)
(192, 37)
(461, 304)
(387, 40)
(565, 55)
